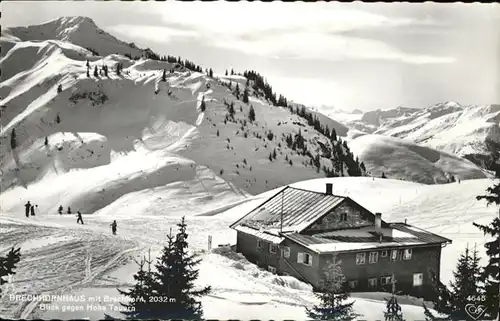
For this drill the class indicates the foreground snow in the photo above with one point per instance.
(62, 257)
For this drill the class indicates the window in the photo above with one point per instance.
(360, 258)
(304, 258)
(353, 284)
(343, 217)
(285, 252)
(418, 279)
(272, 248)
(373, 258)
(407, 254)
(259, 244)
(386, 280)
(394, 255)
(271, 269)
(372, 283)
(384, 253)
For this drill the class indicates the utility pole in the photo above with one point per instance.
(281, 215)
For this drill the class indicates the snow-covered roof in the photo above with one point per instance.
(292, 209)
(260, 234)
(398, 235)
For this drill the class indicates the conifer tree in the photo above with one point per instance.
(251, 114)
(140, 304)
(226, 72)
(58, 119)
(383, 175)
(175, 278)
(211, 73)
(491, 272)
(217, 133)
(232, 72)
(245, 95)
(8, 264)
(13, 139)
(164, 76)
(203, 107)
(237, 91)
(96, 72)
(46, 143)
(59, 88)
(333, 296)
(105, 69)
(88, 73)
(393, 310)
(88, 64)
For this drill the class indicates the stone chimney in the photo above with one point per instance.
(329, 189)
(378, 221)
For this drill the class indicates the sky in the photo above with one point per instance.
(341, 56)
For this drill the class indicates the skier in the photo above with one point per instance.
(79, 217)
(69, 210)
(32, 210)
(113, 227)
(59, 210)
(28, 207)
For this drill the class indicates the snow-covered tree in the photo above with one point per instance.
(393, 310)
(333, 296)
(245, 95)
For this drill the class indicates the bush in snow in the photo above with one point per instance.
(13, 141)
(251, 114)
(203, 107)
(8, 264)
(97, 98)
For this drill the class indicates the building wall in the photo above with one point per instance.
(356, 217)
(247, 245)
(423, 260)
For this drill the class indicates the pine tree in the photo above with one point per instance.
(491, 272)
(164, 76)
(96, 73)
(465, 284)
(118, 69)
(140, 305)
(211, 73)
(203, 107)
(13, 140)
(105, 69)
(217, 133)
(226, 72)
(393, 310)
(88, 73)
(88, 64)
(251, 114)
(383, 175)
(245, 95)
(175, 278)
(59, 88)
(237, 91)
(8, 264)
(58, 119)
(333, 136)
(46, 143)
(332, 297)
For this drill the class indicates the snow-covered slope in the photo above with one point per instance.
(448, 127)
(403, 159)
(104, 138)
(89, 261)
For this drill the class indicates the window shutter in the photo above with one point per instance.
(300, 257)
(310, 259)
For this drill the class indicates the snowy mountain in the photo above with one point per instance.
(403, 159)
(91, 138)
(465, 131)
